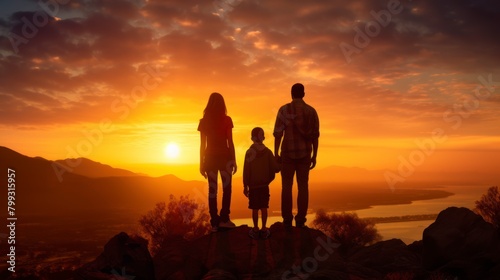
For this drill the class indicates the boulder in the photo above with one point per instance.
(232, 253)
(461, 243)
(386, 257)
(219, 274)
(124, 257)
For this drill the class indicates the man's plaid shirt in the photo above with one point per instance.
(299, 124)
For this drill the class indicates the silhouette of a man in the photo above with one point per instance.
(297, 131)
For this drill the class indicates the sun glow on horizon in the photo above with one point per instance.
(137, 99)
(172, 151)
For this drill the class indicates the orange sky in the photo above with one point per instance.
(115, 81)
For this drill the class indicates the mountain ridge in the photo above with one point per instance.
(94, 169)
(44, 186)
(47, 186)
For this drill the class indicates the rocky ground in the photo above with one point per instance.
(458, 245)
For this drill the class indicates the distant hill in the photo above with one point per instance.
(44, 186)
(89, 168)
(340, 174)
(346, 174)
(33, 174)
(51, 187)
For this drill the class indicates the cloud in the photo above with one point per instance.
(417, 66)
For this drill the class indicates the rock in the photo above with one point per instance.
(358, 271)
(174, 261)
(417, 247)
(232, 253)
(219, 274)
(387, 256)
(461, 243)
(327, 274)
(124, 257)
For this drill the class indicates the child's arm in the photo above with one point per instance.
(273, 163)
(273, 166)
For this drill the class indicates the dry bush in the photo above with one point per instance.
(346, 228)
(489, 206)
(180, 218)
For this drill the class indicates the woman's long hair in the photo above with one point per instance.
(216, 107)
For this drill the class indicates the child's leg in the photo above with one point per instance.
(264, 217)
(255, 217)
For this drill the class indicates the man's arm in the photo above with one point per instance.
(315, 152)
(315, 141)
(279, 127)
(277, 144)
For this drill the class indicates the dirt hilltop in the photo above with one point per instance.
(458, 245)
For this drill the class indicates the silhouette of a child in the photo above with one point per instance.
(258, 172)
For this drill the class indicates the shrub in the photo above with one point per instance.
(180, 218)
(346, 228)
(489, 206)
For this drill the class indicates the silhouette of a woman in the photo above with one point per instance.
(217, 156)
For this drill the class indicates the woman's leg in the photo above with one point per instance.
(226, 195)
(212, 197)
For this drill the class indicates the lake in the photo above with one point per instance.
(464, 196)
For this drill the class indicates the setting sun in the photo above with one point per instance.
(172, 150)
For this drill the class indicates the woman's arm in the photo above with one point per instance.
(229, 136)
(203, 145)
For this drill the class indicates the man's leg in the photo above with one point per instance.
(303, 193)
(287, 173)
(265, 205)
